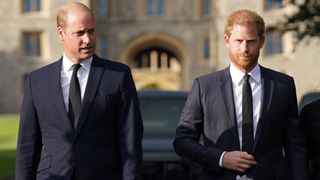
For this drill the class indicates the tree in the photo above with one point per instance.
(306, 21)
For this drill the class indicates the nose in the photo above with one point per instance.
(86, 38)
(244, 46)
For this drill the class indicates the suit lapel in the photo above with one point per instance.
(266, 90)
(95, 73)
(57, 97)
(226, 90)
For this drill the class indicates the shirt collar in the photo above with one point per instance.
(237, 75)
(67, 63)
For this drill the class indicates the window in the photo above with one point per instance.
(103, 47)
(31, 6)
(154, 7)
(32, 44)
(103, 7)
(274, 43)
(206, 48)
(273, 4)
(157, 59)
(205, 7)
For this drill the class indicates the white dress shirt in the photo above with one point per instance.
(255, 83)
(66, 73)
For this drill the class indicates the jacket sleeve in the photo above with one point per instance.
(189, 130)
(29, 138)
(130, 130)
(295, 145)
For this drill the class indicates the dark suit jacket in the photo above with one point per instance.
(310, 121)
(210, 111)
(107, 141)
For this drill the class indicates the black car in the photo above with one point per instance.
(308, 98)
(160, 114)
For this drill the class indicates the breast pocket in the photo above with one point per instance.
(105, 102)
(277, 109)
(279, 104)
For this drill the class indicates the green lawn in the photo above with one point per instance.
(8, 140)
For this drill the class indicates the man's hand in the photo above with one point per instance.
(238, 161)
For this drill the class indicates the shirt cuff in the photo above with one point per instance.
(221, 158)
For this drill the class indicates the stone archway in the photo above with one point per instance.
(156, 60)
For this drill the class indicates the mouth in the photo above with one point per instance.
(245, 57)
(86, 49)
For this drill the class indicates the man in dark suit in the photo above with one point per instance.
(310, 122)
(246, 114)
(80, 116)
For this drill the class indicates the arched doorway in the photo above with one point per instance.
(156, 61)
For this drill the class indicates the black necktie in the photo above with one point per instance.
(247, 116)
(74, 97)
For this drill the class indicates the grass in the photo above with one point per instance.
(8, 140)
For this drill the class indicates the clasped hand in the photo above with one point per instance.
(238, 161)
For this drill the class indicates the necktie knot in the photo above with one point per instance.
(246, 77)
(76, 67)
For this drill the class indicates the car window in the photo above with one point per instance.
(308, 98)
(160, 115)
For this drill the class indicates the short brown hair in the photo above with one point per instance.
(62, 14)
(245, 17)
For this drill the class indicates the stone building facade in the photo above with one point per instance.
(167, 43)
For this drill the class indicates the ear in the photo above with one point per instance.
(61, 33)
(262, 41)
(226, 40)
